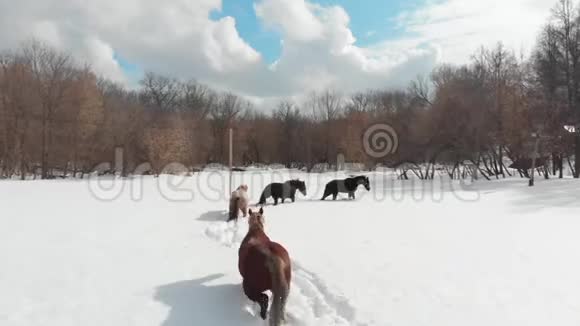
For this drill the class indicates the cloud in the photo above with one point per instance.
(295, 18)
(331, 59)
(173, 36)
(459, 27)
(319, 50)
(224, 48)
(102, 58)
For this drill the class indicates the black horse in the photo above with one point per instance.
(345, 186)
(283, 191)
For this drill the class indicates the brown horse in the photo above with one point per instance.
(264, 265)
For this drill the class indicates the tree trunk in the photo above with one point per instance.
(43, 163)
(22, 169)
(577, 155)
(455, 167)
(478, 168)
(426, 175)
(487, 168)
(494, 165)
(533, 170)
(506, 170)
(500, 159)
(561, 165)
(433, 171)
(571, 166)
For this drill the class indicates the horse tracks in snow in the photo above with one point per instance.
(311, 302)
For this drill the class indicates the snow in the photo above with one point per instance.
(156, 251)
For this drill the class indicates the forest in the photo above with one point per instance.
(58, 118)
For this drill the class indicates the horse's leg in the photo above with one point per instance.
(334, 195)
(263, 301)
(283, 308)
(259, 298)
(275, 201)
(293, 198)
(245, 210)
(283, 199)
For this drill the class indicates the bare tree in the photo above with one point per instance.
(160, 92)
(290, 140)
(223, 115)
(567, 29)
(421, 91)
(53, 72)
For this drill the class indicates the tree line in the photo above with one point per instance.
(59, 118)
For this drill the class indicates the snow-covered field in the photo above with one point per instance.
(157, 252)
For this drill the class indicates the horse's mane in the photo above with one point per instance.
(358, 179)
(295, 183)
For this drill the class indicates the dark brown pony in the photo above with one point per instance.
(264, 265)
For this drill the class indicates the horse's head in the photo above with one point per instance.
(365, 182)
(256, 219)
(243, 187)
(300, 185)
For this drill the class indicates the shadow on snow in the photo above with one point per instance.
(214, 216)
(195, 302)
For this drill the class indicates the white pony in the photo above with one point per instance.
(239, 202)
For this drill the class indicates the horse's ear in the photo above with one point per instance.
(250, 211)
(261, 210)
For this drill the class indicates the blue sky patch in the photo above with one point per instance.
(263, 39)
(371, 21)
(131, 70)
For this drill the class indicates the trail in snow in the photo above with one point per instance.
(311, 301)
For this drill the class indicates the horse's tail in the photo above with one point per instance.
(263, 196)
(280, 288)
(326, 192)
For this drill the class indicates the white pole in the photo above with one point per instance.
(231, 158)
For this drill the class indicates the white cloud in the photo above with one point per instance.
(319, 50)
(332, 60)
(102, 58)
(224, 48)
(295, 18)
(172, 36)
(459, 27)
